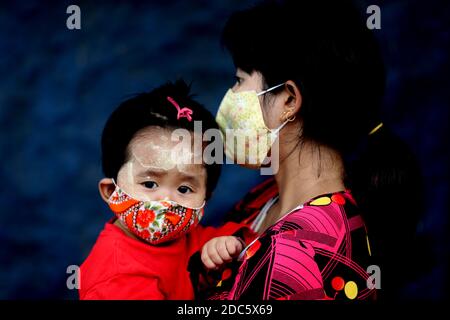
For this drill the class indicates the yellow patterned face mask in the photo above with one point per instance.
(247, 138)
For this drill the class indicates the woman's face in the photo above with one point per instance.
(272, 108)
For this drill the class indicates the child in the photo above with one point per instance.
(157, 194)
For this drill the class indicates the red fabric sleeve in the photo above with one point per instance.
(125, 287)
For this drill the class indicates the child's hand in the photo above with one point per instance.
(219, 250)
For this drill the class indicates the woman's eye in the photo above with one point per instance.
(184, 189)
(150, 184)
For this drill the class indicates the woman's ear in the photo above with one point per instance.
(106, 187)
(293, 101)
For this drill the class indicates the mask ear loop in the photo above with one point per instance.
(291, 118)
(201, 207)
(121, 190)
(270, 89)
(277, 130)
(264, 92)
(116, 187)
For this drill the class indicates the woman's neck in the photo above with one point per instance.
(306, 172)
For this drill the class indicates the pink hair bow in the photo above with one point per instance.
(182, 112)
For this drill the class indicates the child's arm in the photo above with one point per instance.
(200, 235)
(125, 287)
(220, 250)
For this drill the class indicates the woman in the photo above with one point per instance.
(318, 78)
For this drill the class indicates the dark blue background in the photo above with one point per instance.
(57, 88)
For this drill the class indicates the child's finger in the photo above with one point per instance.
(240, 244)
(207, 262)
(214, 255)
(223, 251)
(234, 246)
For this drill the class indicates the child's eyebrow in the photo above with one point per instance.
(194, 178)
(152, 172)
(190, 177)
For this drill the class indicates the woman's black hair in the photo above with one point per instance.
(153, 109)
(326, 48)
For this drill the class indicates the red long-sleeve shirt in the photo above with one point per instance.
(120, 267)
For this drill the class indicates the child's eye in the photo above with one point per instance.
(150, 184)
(184, 189)
(238, 80)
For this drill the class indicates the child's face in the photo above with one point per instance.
(157, 171)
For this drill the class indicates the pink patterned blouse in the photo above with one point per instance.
(318, 251)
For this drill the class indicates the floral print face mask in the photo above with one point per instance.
(154, 221)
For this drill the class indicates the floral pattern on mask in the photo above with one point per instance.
(154, 221)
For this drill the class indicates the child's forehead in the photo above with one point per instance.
(153, 131)
(162, 149)
(191, 171)
(162, 136)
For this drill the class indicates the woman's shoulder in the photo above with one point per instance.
(325, 219)
(333, 208)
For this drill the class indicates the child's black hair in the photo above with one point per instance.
(153, 109)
